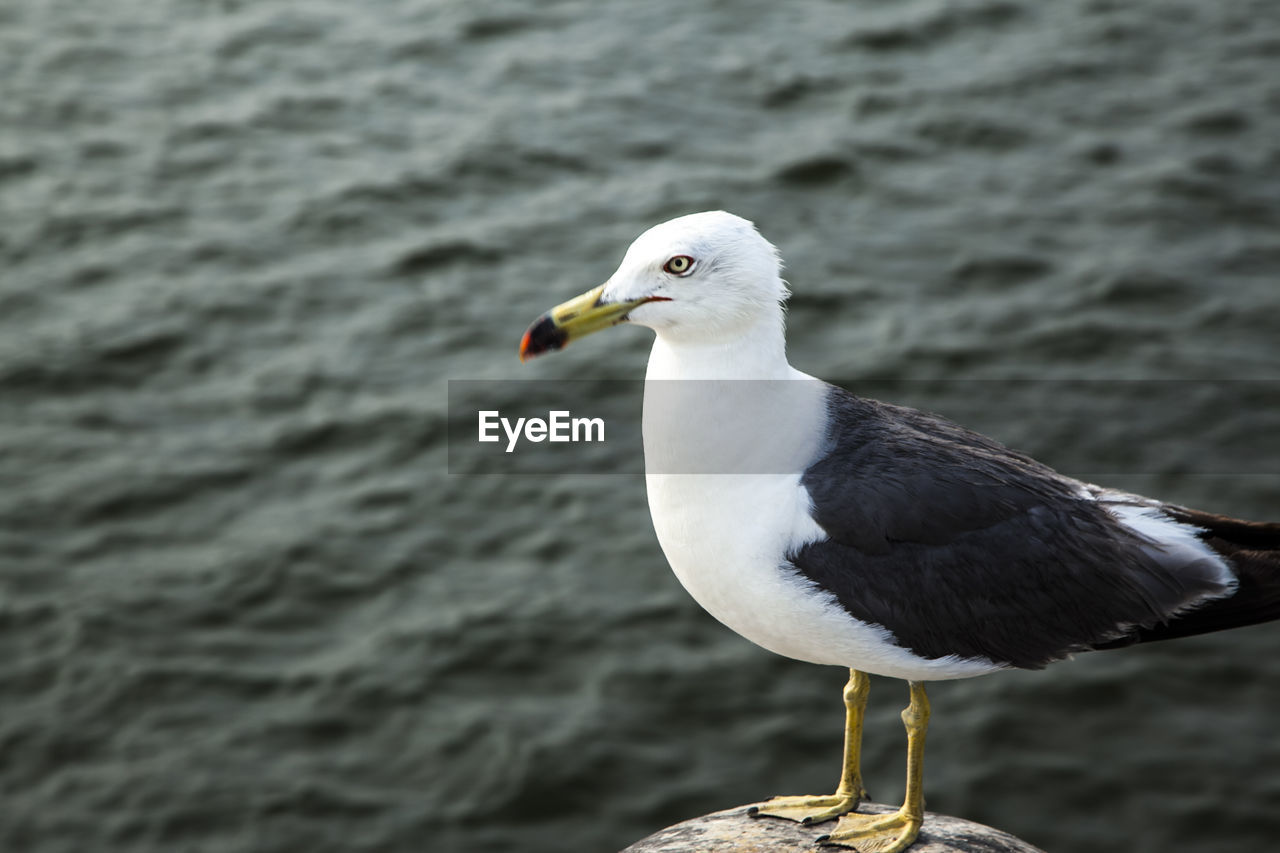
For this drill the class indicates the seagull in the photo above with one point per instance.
(840, 530)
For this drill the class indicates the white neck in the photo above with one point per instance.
(756, 351)
(732, 408)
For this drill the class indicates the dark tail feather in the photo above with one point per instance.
(1252, 548)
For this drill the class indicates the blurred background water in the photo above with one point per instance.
(243, 606)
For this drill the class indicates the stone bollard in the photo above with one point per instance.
(731, 831)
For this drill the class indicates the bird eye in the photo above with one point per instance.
(679, 265)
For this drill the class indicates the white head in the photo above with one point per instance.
(706, 277)
(720, 276)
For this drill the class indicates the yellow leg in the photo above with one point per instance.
(893, 833)
(850, 791)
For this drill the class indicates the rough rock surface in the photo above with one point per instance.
(731, 831)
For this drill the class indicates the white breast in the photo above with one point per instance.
(726, 529)
(725, 537)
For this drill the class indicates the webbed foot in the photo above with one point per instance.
(807, 810)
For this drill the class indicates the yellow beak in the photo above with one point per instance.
(575, 319)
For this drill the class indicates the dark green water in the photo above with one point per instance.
(244, 245)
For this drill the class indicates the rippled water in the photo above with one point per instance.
(243, 606)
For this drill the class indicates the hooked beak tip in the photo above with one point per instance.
(544, 335)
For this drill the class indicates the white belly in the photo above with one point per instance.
(726, 531)
(725, 537)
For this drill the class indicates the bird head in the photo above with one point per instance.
(707, 276)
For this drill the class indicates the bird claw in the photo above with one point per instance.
(806, 810)
(891, 833)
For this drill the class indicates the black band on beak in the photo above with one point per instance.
(545, 335)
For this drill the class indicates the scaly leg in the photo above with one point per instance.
(850, 791)
(893, 833)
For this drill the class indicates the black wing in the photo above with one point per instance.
(960, 546)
